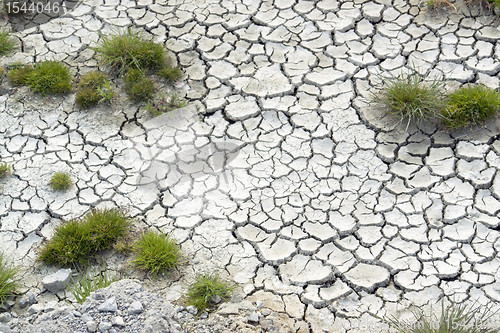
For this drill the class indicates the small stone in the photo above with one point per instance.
(135, 308)
(50, 306)
(215, 299)
(5, 317)
(23, 303)
(253, 318)
(118, 321)
(5, 329)
(104, 326)
(204, 315)
(76, 313)
(91, 326)
(32, 298)
(57, 281)
(266, 312)
(108, 305)
(259, 304)
(35, 308)
(192, 310)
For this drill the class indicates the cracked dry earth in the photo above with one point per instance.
(290, 183)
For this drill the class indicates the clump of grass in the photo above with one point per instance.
(5, 170)
(9, 283)
(138, 86)
(76, 241)
(440, 4)
(94, 87)
(19, 73)
(49, 77)
(205, 287)
(129, 49)
(164, 104)
(60, 181)
(170, 74)
(7, 43)
(471, 105)
(412, 97)
(454, 318)
(89, 281)
(156, 252)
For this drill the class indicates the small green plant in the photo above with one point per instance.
(5, 170)
(138, 86)
(105, 92)
(92, 89)
(170, 74)
(129, 49)
(163, 104)
(9, 282)
(49, 77)
(410, 96)
(205, 287)
(76, 241)
(18, 74)
(60, 181)
(471, 105)
(454, 318)
(156, 252)
(440, 4)
(7, 43)
(89, 281)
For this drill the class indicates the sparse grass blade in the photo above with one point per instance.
(9, 282)
(89, 281)
(7, 43)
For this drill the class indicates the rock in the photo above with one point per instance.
(104, 326)
(23, 303)
(118, 321)
(91, 326)
(35, 308)
(253, 318)
(5, 317)
(50, 306)
(135, 308)
(5, 329)
(32, 298)
(215, 299)
(192, 310)
(109, 305)
(57, 281)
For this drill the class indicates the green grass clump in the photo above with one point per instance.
(76, 241)
(90, 281)
(411, 96)
(93, 88)
(19, 73)
(471, 105)
(128, 49)
(454, 318)
(60, 181)
(138, 86)
(164, 104)
(8, 280)
(169, 73)
(7, 43)
(5, 170)
(156, 252)
(49, 77)
(206, 286)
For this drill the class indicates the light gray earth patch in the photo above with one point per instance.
(279, 174)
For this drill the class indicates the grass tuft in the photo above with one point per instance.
(129, 49)
(7, 43)
(412, 97)
(170, 74)
(454, 318)
(76, 241)
(19, 73)
(471, 105)
(60, 181)
(5, 170)
(49, 77)
(156, 252)
(138, 86)
(8, 280)
(204, 288)
(93, 88)
(89, 281)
